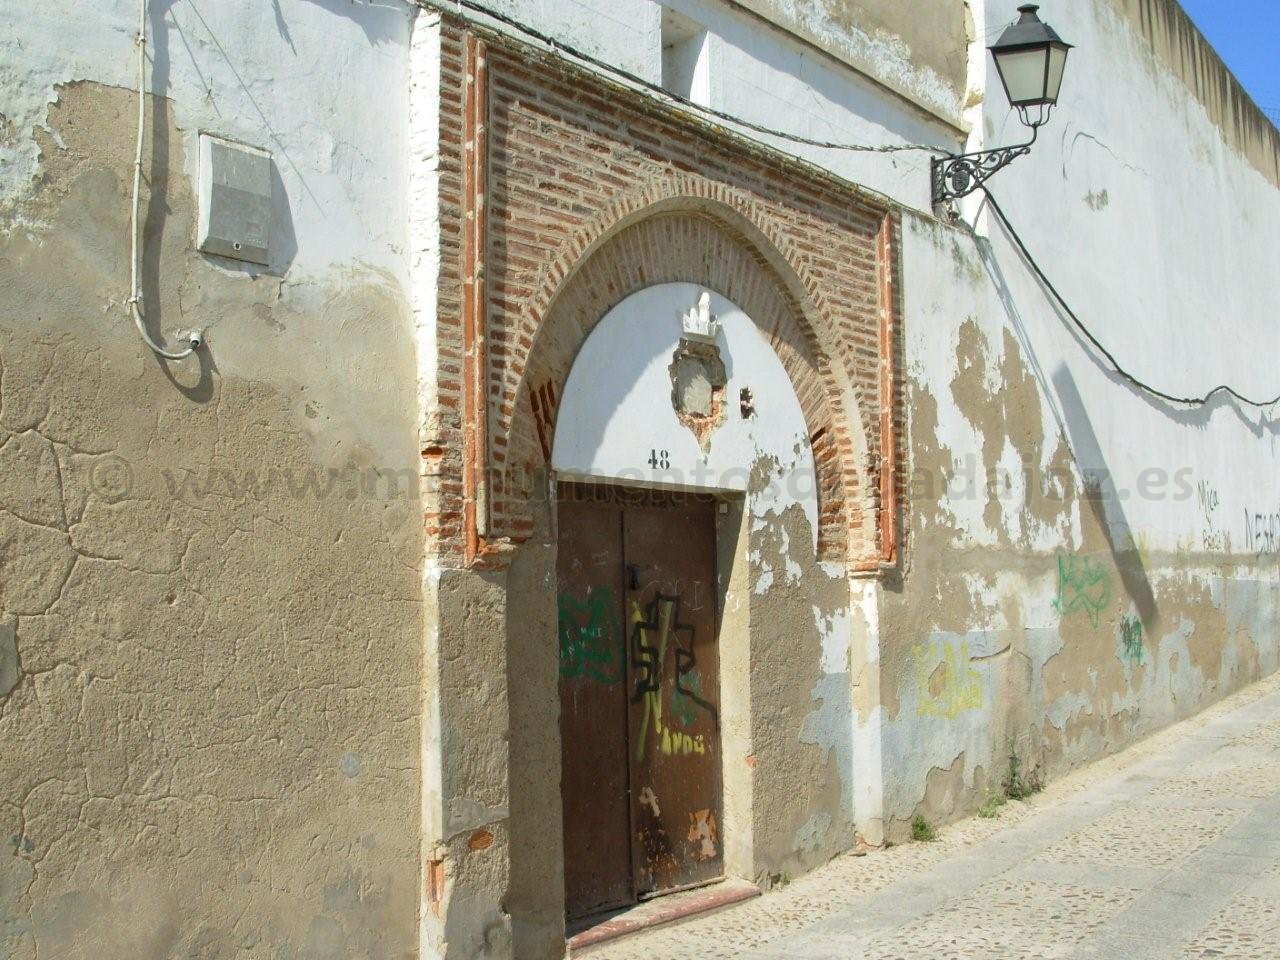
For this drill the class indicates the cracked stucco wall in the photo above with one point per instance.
(210, 602)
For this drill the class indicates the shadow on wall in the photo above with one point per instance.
(1075, 424)
(1103, 500)
(196, 385)
(1190, 415)
(381, 20)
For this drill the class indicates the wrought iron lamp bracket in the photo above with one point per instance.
(958, 175)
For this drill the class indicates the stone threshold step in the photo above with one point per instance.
(663, 910)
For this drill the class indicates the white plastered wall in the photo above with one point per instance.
(616, 413)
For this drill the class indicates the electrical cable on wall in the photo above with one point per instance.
(1088, 334)
(561, 49)
(135, 260)
(557, 47)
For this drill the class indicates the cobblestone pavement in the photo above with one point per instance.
(1170, 850)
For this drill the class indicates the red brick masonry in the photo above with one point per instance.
(575, 194)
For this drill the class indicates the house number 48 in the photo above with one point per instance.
(659, 459)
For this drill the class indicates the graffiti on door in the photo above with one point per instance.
(589, 645)
(656, 633)
(685, 706)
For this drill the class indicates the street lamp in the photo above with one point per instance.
(1030, 58)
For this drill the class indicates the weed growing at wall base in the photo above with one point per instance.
(922, 831)
(1018, 785)
(991, 809)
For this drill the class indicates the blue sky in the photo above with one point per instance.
(1246, 34)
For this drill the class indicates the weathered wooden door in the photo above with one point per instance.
(639, 688)
(593, 708)
(674, 676)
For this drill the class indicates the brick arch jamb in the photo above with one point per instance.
(520, 429)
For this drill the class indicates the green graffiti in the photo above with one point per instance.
(1083, 584)
(684, 700)
(1131, 640)
(590, 645)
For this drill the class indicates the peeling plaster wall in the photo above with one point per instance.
(1036, 617)
(915, 49)
(1086, 563)
(212, 597)
(833, 71)
(210, 601)
(801, 763)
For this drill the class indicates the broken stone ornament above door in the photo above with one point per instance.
(698, 375)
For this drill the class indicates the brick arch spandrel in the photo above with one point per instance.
(679, 243)
(774, 247)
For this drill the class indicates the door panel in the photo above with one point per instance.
(593, 709)
(639, 695)
(674, 684)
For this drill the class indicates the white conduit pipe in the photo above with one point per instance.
(135, 260)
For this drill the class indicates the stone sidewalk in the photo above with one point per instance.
(1170, 850)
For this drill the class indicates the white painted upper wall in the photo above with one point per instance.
(764, 75)
(617, 422)
(1161, 234)
(322, 84)
(914, 49)
(1164, 239)
(780, 82)
(1157, 230)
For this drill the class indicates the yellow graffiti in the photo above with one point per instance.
(1142, 545)
(950, 688)
(670, 742)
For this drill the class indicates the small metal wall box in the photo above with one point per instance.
(235, 200)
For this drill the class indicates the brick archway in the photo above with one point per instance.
(556, 198)
(699, 232)
(554, 205)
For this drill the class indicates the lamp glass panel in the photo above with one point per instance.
(1023, 73)
(1057, 64)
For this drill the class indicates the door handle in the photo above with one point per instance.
(633, 577)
